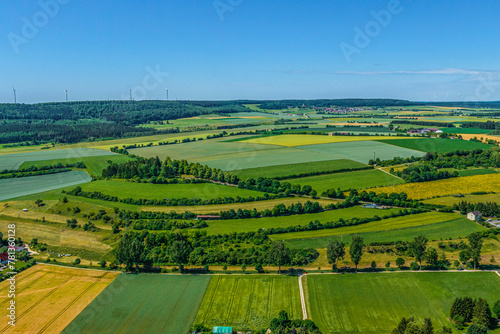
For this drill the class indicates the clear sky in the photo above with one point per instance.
(419, 50)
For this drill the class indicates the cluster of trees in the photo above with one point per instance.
(278, 210)
(195, 247)
(335, 251)
(476, 311)
(488, 209)
(170, 201)
(393, 199)
(282, 324)
(39, 132)
(83, 121)
(488, 125)
(411, 326)
(422, 172)
(458, 159)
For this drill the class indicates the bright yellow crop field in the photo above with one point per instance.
(470, 136)
(300, 140)
(453, 186)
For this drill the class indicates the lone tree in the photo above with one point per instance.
(179, 250)
(335, 250)
(475, 244)
(38, 203)
(279, 254)
(418, 247)
(356, 250)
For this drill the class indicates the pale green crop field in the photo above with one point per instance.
(16, 187)
(14, 161)
(375, 303)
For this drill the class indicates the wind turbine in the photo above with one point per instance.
(66, 93)
(15, 98)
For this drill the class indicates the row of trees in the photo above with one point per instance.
(488, 209)
(198, 248)
(417, 248)
(77, 191)
(278, 210)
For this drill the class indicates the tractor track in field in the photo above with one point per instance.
(302, 298)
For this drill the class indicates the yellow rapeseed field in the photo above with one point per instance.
(453, 186)
(299, 140)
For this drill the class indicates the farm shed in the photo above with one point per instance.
(475, 216)
(222, 330)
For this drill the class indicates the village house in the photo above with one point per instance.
(475, 216)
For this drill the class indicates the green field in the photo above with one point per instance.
(383, 225)
(291, 169)
(123, 189)
(375, 303)
(450, 200)
(14, 161)
(458, 228)
(436, 144)
(16, 187)
(144, 303)
(254, 224)
(247, 303)
(348, 180)
(363, 151)
(94, 165)
(200, 149)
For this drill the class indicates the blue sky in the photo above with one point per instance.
(249, 49)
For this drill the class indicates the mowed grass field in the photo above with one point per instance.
(16, 187)
(301, 140)
(254, 224)
(456, 229)
(344, 181)
(436, 144)
(123, 189)
(14, 161)
(394, 223)
(143, 303)
(48, 298)
(375, 303)
(446, 187)
(95, 165)
(295, 169)
(248, 302)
